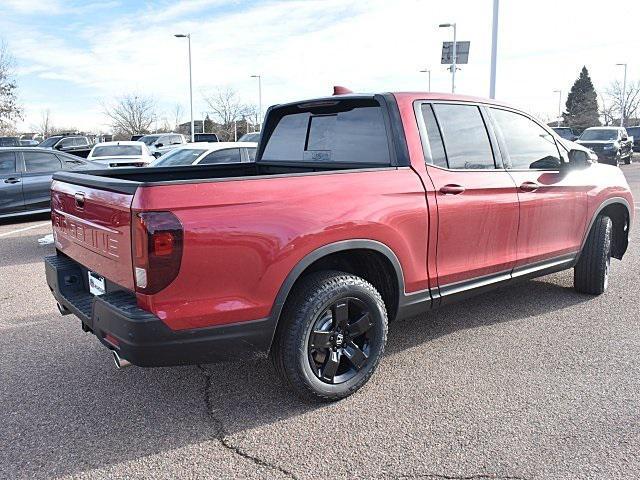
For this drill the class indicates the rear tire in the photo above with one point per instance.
(591, 273)
(331, 336)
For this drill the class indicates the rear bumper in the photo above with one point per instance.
(142, 338)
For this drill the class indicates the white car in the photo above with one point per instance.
(121, 154)
(208, 153)
(161, 143)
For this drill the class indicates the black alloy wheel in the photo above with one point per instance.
(339, 343)
(331, 336)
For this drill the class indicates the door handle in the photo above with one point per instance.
(529, 187)
(12, 180)
(452, 189)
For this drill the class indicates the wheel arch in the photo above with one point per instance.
(331, 255)
(619, 210)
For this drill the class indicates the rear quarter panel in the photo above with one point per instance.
(243, 237)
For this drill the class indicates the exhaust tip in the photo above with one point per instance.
(120, 362)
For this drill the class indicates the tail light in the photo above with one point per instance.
(157, 250)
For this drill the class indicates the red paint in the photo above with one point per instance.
(243, 237)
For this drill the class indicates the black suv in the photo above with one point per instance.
(76, 144)
(635, 133)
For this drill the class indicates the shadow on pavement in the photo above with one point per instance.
(67, 410)
(18, 221)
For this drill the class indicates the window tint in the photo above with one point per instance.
(40, 162)
(353, 136)
(465, 137)
(230, 155)
(7, 163)
(529, 146)
(67, 142)
(80, 142)
(433, 150)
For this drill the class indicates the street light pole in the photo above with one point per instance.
(454, 55)
(494, 50)
(188, 37)
(559, 92)
(623, 104)
(428, 72)
(259, 77)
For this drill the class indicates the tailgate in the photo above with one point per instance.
(93, 227)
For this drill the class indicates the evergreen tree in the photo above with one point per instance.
(208, 124)
(582, 104)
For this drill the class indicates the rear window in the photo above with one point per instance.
(116, 151)
(343, 132)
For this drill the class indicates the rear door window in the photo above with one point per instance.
(41, 162)
(465, 136)
(529, 146)
(344, 135)
(7, 163)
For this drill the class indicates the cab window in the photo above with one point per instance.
(466, 141)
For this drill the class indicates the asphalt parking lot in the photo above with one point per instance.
(531, 381)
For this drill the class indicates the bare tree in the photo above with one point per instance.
(228, 112)
(45, 126)
(629, 106)
(177, 115)
(10, 111)
(607, 111)
(131, 114)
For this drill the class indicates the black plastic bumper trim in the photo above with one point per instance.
(144, 339)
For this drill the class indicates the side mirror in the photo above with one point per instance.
(579, 158)
(158, 145)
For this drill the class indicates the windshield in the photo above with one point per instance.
(599, 135)
(50, 142)
(149, 139)
(182, 156)
(116, 151)
(250, 137)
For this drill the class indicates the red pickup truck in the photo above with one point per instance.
(358, 210)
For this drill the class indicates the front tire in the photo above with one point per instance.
(331, 336)
(591, 273)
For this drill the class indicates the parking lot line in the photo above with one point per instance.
(24, 229)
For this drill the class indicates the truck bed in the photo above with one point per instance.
(127, 180)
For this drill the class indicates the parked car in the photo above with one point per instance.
(206, 137)
(635, 133)
(9, 142)
(208, 153)
(416, 200)
(121, 154)
(161, 143)
(611, 144)
(566, 133)
(78, 145)
(25, 178)
(29, 143)
(250, 137)
(135, 138)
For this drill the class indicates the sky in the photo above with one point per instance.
(74, 56)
